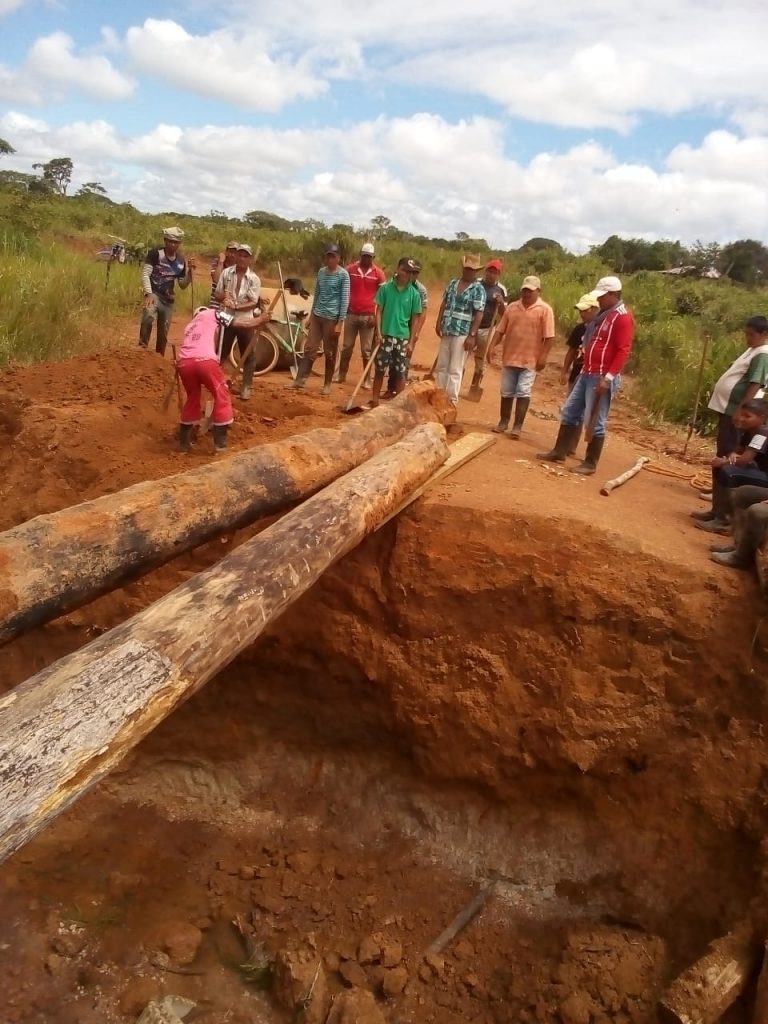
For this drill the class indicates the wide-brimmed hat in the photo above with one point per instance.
(472, 262)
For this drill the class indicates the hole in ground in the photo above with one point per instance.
(458, 701)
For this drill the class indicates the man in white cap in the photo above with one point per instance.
(364, 280)
(525, 332)
(162, 269)
(458, 320)
(607, 345)
(237, 292)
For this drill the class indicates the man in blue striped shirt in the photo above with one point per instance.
(329, 311)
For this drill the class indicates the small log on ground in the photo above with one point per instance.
(57, 562)
(702, 993)
(65, 728)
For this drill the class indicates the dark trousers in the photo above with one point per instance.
(727, 478)
(162, 312)
(727, 435)
(243, 337)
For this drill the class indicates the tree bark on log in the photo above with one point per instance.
(60, 561)
(68, 726)
(702, 993)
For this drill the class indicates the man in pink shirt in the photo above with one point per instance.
(364, 280)
(198, 367)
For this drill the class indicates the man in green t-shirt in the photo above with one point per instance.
(398, 307)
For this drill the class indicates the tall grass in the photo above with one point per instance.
(54, 302)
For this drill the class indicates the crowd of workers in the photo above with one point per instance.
(476, 317)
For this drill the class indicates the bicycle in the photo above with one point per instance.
(279, 344)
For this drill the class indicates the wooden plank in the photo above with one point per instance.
(65, 728)
(461, 452)
(58, 562)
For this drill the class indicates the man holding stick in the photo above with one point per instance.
(162, 269)
(238, 292)
(606, 350)
(329, 311)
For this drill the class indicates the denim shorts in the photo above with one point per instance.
(517, 382)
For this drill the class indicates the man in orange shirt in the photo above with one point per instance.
(525, 332)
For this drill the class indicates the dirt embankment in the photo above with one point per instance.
(483, 690)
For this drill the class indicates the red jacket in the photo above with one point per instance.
(363, 285)
(609, 345)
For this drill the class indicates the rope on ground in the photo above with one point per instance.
(700, 481)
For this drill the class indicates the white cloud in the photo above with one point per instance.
(52, 68)
(592, 64)
(427, 174)
(7, 6)
(228, 64)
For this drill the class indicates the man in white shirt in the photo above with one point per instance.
(742, 381)
(238, 291)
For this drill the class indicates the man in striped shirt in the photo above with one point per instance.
(329, 311)
(607, 345)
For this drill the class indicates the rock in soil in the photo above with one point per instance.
(300, 985)
(181, 941)
(357, 1007)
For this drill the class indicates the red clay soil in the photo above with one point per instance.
(518, 680)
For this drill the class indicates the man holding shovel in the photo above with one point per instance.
(606, 350)
(162, 269)
(398, 308)
(495, 304)
(364, 280)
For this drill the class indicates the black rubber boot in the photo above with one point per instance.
(521, 411)
(220, 438)
(567, 439)
(305, 368)
(574, 445)
(591, 459)
(344, 361)
(246, 387)
(185, 437)
(329, 366)
(506, 412)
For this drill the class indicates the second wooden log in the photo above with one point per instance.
(65, 728)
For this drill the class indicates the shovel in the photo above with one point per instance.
(295, 368)
(475, 393)
(352, 410)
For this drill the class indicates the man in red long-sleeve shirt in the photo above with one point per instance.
(607, 344)
(364, 280)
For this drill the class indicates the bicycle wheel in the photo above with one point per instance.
(265, 353)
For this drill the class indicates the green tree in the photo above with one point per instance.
(380, 225)
(745, 261)
(57, 173)
(462, 236)
(542, 243)
(6, 149)
(92, 188)
(267, 221)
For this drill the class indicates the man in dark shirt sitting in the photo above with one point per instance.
(747, 465)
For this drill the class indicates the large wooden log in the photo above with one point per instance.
(703, 992)
(57, 562)
(65, 728)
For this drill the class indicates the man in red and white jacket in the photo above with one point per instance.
(364, 280)
(607, 345)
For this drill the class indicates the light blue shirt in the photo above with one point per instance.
(331, 294)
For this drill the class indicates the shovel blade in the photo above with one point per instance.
(474, 394)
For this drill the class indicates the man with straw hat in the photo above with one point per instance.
(162, 269)
(458, 320)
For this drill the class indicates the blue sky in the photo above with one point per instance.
(505, 124)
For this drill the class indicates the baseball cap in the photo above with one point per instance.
(494, 265)
(367, 249)
(587, 301)
(532, 283)
(232, 245)
(173, 234)
(416, 266)
(472, 262)
(606, 285)
(242, 247)
(408, 263)
(331, 250)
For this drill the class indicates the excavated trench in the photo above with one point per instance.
(463, 699)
